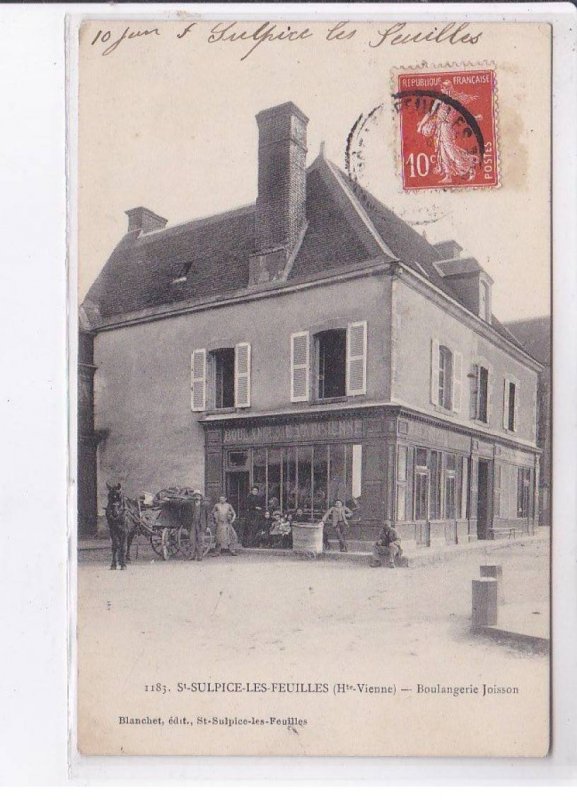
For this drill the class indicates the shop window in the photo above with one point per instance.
(331, 363)
(464, 487)
(421, 484)
(305, 474)
(259, 472)
(402, 467)
(450, 487)
(223, 361)
(308, 477)
(238, 458)
(445, 377)
(435, 499)
(274, 478)
(421, 494)
(523, 492)
(320, 478)
(289, 483)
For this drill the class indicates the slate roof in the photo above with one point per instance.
(534, 334)
(346, 226)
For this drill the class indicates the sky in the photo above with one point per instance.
(169, 124)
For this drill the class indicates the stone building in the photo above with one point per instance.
(316, 345)
(535, 337)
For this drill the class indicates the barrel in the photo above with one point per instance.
(307, 537)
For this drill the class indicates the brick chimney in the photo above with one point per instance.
(143, 220)
(280, 207)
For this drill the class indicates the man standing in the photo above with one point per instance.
(254, 509)
(224, 515)
(339, 515)
(387, 546)
(198, 525)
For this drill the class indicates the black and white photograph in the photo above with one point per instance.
(314, 445)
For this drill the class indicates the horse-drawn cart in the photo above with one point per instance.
(164, 523)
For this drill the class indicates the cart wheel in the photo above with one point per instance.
(169, 546)
(185, 543)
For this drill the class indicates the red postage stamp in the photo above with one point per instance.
(448, 129)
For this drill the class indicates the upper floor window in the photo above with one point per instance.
(446, 377)
(510, 405)
(484, 301)
(480, 393)
(331, 363)
(221, 378)
(339, 365)
(223, 367)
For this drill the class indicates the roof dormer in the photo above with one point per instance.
(468, 280)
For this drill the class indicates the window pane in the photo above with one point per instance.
(338, 481)
(464, 487)
(401, 501)
(290, 493)
(320, 479)
(304, 479)
(402, 464)
(450, 495)
(224, 377)
(331, 355)
(445, 377)
(238, 458)
(511, 406)
(421, 457)
(259, 470)
(421, 492)
(273, 493)
(483, 390)
(435, 485)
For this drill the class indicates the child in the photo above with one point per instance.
(263, 536)
(275, 532)
(339, 515)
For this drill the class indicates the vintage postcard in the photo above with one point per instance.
(314, 443)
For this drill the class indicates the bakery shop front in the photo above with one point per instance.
(438, 483)
(300, 464)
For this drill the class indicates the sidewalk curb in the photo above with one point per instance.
(417, 557)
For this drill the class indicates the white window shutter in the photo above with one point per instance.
(356, 358)
(198, 380)
(435, 372)
(457, 380)
(516, 407)
(489, 394)
(300, 369)
(506, 403)
(242, 375)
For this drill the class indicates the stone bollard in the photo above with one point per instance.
(495, 571)
(484, 611)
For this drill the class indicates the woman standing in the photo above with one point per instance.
(224, 515)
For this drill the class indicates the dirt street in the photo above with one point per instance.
(261, 619)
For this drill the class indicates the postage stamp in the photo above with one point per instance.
(447, 128)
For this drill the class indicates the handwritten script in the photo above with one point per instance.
(249, 38)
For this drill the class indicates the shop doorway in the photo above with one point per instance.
(237, 489)
(483, 501)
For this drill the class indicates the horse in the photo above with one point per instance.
(118, 525)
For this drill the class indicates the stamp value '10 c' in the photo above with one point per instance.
(448, 130)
